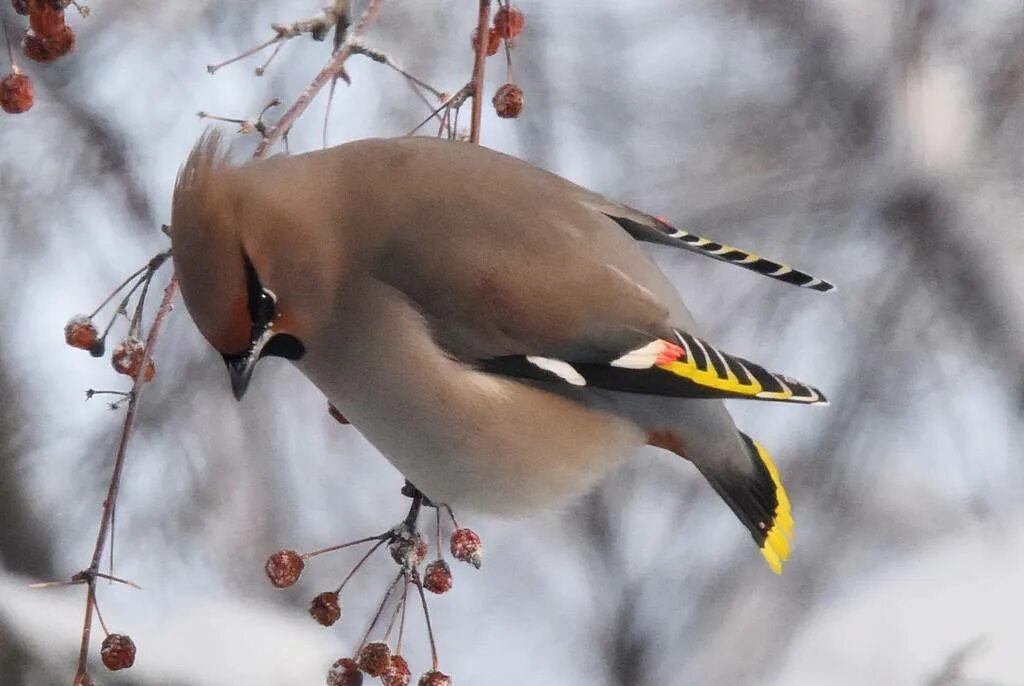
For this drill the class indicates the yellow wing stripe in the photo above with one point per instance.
(775, 548)
(688, 369)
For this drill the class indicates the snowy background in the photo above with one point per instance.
(877, 143)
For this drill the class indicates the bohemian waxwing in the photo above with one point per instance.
(497, 332)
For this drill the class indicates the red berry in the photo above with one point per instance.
(508, 101)
(17, 94)
(398, 674)
(45, 19)
(509, 22)
(325, 608)
(80, 332)
(409, 552)
(437, 577)
(48, 47)
(435, 678)
(467, 547)
(375, 658)
(344, 672)
(117, 652)
(284, 568)
(127, 358)
(493, 41)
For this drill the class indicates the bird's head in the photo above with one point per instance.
(249, 276)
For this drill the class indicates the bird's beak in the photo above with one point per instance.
(241, 367)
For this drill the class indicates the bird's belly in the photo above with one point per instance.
(485, 442)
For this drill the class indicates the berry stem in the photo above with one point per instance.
(117, 290)
(483, 25)
(451, 514)
(359, 564)
(331, 549)
(380, 610)
(437, 519)
(401, 622)
(426, 614)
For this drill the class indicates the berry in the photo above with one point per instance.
(466, 547)
(508, 101)
(284, 568)
(344, 672)
(20, 6)
(409, 552)
(117, 652)
(398, 674)
(44, 19)
(375, 658)
(48, 47)
(127, 358)
(437, 578)
(80, 332)
(509, 22)
(493, 41)
(17, 94)
(435, 678)
(325, 608)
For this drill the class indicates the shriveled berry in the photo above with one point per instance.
(508, 101)
(344, 672)
(437, 577)
(47, 48)
(435, 678)
(44, 18)
(20, 6)
(493, 41)
(467, 547)
(17, 93)
(80, 332)
(398, 674)
(375, 658)
(509, 22)
(284, 568)
(127, 358)
(117, 652)
(409, 552)
(325, 608)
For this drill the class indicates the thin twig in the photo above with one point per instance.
(115, 477)
(331, 549)
(380, 609)
(426, 613)
(482, 27)
(326, 75)
(359, 564)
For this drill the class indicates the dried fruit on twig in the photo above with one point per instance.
(467, 547)
(508, 101)
(47, 48)
(375, 658)
(284, 568)
(80, 332)
(398, 674)
(17, 94)
(435, 678)
(325, 608)
(409, 552)
(493, 41)
(117, 652)
(344, 672)
(509, 22)
(44, 17)
(127, 358)
(437, 577)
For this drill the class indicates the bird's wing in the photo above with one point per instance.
(687, 367)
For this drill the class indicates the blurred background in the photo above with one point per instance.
(876, 143)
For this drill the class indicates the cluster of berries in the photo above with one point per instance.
(129, 355)
(408, 549)
(508, 23)
(47, 38)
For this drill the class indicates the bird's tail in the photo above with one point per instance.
(759, 500)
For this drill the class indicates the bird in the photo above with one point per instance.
(500, 334)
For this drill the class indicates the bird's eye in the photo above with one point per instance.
(266, 307)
